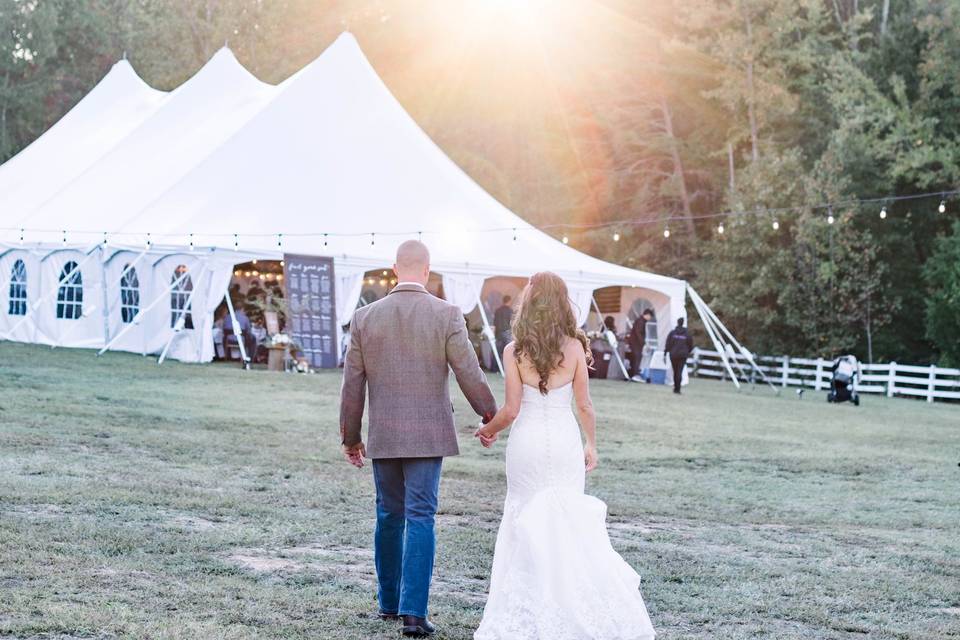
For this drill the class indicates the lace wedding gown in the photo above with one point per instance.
(555, 575)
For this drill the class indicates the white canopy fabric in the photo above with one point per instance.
(104, 117)
(196, 118)
(226, 168)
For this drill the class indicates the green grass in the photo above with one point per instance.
(187, 501)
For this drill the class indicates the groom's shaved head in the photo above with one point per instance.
(413, 262)
(413, 254)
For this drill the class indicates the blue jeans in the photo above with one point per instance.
(404, 542)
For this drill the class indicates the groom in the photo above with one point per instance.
(403, 346)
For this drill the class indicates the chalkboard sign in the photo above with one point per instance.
(311, 321)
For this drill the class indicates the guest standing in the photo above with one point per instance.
(502, 318)
(637, 340)
(679, 346)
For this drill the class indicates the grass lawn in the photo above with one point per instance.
(187, 501)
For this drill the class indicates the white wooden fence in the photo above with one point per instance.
(891, 379)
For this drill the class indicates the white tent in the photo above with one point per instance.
(327, 163)
(105, 116)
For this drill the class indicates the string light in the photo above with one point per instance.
(883, 213)
(943, 206)
(566, 240)
(720, 228)
(666, 232)
(616, 236)
(776, 225)
(830, 218)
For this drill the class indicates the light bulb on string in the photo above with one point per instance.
(776, 225)
(666, 232)
(720, 228)
(943, 206)
(830, 218)
(566, 240)
(616, 236)
(883, 213)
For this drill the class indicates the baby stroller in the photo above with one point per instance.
(846, 373)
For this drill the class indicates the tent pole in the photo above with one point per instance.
(141, 312)
(743, 351)
(491, 335)
(611, 340)
(48, 295)
(181, 319)
(716, 342)
(237, 330)
(106, 294)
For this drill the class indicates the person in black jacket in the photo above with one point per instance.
(637, 338)
(679, 346)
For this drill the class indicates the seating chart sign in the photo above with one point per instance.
(312, 308)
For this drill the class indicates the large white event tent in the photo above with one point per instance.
(161, 195)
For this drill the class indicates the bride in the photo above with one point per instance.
(555, 575)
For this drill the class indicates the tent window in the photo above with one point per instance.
(129, 294)
(18, 289)
(180, 303)
(70, 294)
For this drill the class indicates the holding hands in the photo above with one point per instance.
(355, 454)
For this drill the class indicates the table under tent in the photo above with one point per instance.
(120, 227)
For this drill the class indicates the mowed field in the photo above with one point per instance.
(186, 501)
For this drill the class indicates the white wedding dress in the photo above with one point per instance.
(555, 575)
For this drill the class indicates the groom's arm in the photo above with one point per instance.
(463, 360)
(353, 390)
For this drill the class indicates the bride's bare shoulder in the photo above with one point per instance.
(572, 347)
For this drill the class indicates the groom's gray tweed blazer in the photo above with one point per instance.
(403, 347)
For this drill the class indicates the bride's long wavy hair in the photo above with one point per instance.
(543, 320)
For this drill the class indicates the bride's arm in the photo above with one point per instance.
(511, 404)
(585, 414)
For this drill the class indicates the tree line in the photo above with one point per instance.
(662, 115)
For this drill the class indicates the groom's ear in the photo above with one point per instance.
(396, 272)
